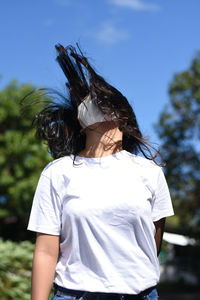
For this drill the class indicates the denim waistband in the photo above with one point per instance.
(80, 294)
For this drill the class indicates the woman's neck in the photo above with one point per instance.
(102, 139)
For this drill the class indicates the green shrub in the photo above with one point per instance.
(15, 270)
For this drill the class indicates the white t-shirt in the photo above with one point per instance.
(103, 209)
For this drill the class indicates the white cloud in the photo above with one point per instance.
(111, 35)
(63, 2)
(136, 4)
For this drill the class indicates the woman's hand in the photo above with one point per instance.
(44, 263)
(160, 225)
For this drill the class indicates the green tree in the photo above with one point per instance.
(179, 130)
(22, 157)
(15, 270)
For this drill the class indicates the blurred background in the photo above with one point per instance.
(150, 51)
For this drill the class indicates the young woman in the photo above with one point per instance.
(99, 208)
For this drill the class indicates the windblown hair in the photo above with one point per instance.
(57, 123)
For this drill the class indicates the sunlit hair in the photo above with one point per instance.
(57, 123)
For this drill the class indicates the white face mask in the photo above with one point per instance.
(89, 113)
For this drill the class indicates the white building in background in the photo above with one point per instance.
(176, 267)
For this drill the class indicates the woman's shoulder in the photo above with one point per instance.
(142, 161)
(58, 166)
(147, 168)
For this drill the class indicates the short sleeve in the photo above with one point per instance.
(45, 216)
(162, 203)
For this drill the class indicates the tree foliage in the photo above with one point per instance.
(179, 130)
(15, 270)
(22, 157)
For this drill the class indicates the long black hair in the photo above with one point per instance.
(57, 122)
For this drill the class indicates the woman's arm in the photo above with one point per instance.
(44, 263)
(160, 225)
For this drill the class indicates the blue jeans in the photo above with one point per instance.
(61, 293)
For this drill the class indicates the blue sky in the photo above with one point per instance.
(137, 45)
